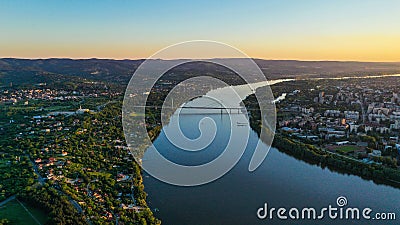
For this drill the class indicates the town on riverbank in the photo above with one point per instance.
(64, 158)
(350, 125)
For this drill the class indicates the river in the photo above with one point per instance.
(280, 181)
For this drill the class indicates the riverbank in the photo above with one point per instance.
(313, 155)
(281, 178)
(316, 156)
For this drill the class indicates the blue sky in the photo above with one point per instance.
(308, 29)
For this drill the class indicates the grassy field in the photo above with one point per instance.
(59, 108)
(347, 148)
(16, 214)
(100, 174)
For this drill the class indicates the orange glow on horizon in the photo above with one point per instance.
(374, 48)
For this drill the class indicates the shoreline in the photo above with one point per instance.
(313, 155)
(307, 153)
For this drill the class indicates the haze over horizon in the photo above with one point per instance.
(309, 30)
(133, 59)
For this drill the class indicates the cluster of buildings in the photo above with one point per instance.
(13, 96)
(24, 95)
(53, 160)
(353, 109)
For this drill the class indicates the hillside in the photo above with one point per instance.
(32, 71)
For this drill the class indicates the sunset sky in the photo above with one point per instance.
(360, 30)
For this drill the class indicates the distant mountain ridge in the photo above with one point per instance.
(120, 71)
(97, 69)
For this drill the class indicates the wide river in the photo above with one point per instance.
(280, 181)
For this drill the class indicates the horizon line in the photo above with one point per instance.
(138, 59)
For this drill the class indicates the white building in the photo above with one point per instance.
(351, 115)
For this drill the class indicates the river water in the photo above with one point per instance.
(280, 181)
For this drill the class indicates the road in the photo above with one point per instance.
(40, 178)
(99, 107)
(7, 200)
(41, 182)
